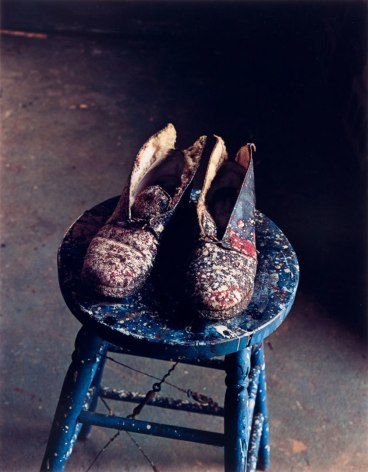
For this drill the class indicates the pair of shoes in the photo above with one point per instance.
(222, 267)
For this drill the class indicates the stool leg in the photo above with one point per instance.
(237, 366)
(85, 361)
(96, 383)
(261, 407)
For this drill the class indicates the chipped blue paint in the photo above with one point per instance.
(261, 406)
(237, 366)
(152, 429)
(254, 442)
(144, 327)
(209, 363)
(253, 390)
(73, 398)
(163, 402)
(94, 393)
(142, 322)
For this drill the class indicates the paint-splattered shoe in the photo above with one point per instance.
(223, 267)
(120, 257)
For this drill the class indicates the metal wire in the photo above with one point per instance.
(140, 449)
(156, 387)
(137, 445)
(103, 450)
(143, 373)
(198, 397)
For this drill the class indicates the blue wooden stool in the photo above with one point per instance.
(140, 326)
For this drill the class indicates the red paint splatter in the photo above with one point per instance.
(242, 245)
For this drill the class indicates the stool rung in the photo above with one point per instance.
(210, 363)
(162, 402)
(154, 429)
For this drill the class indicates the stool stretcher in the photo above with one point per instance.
(153, 429)
(245, 412)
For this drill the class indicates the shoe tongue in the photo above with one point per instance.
(150, 202)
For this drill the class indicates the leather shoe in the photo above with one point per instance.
(120, 257)
(220, 277)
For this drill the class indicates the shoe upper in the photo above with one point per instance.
(223, 267)
(121, 256)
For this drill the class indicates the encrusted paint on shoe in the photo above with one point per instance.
(121, 256)
(151, 202)
(223, 267)
(244, 246)
(118, 260)
(220, 279)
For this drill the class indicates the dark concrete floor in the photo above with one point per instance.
(74, 113)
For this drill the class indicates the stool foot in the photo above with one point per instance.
(261, 407)
(237, 366)
(64, 431)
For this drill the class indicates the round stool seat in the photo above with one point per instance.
(143, 322)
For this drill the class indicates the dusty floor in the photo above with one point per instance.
(74, 112)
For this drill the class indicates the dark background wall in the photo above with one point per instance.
(290, 76)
